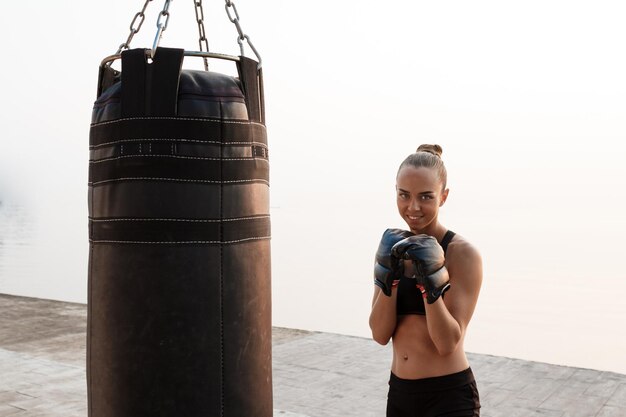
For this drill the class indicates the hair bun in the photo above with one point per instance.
(433, 149)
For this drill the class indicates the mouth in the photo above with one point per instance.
(413, 217)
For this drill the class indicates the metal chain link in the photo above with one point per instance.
(161, 26)
(202, 40)
(133, 30)
(242, 36)
(231, 11)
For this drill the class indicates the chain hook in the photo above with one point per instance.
(241, 35)
(256, 53)
(161, 27)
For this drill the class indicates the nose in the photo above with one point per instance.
(414, 205)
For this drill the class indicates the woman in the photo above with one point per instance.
(428, 282)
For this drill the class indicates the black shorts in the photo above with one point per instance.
(453, 395)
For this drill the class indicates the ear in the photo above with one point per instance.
(444, 196)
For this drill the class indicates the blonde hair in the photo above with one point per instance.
(427, 156)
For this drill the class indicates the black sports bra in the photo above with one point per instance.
(409, 299)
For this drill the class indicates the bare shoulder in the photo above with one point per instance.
(460, 247)
(464, 257)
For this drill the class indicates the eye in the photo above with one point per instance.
(427, 197)
(403, 196)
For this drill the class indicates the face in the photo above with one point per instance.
(419, 195)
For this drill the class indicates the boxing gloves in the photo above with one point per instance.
(428, 260)
(388, 267)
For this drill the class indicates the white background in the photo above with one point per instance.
(528, 100)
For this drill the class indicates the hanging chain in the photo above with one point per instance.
(133, 30)
(161, 26)
(242, 36)
(231, 11)
(202, 40)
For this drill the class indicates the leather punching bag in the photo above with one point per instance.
(179, 320)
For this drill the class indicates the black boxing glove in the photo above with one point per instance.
(388, 268)
(428, 262)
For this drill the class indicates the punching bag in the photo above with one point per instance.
(179, 320)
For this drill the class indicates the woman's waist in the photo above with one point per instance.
(412, 365)
(435, 383)
(416, 356)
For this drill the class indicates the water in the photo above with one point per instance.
(556, 300)
(36, 266)
(17, 240)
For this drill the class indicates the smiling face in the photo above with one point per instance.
(419, 194)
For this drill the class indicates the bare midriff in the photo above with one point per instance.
(415, 355)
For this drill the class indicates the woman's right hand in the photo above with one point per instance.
(388, 268)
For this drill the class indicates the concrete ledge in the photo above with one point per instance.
(42, 368)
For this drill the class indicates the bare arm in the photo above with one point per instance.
(383, 315)
(447, 319)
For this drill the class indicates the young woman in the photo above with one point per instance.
(427, 284)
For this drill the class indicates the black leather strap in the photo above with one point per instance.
(181, 128)
(150, 89)
(163, 84)
(107, 76)
(180, 169)
(180, 231)
(252, 80)
(133, 95)
(447, 238)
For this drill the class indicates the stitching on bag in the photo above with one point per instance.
(234, 219)
(247, 122)
(221, 230)
(155, 140)
(209, 142)
(182, 243)
(181, 180)
(252, 158)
